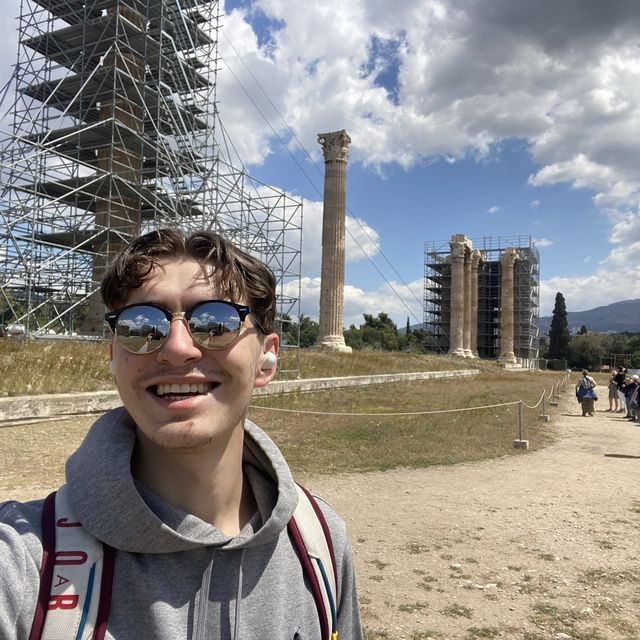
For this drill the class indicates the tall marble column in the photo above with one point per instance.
(335, 147)
(476, 259)
(507, 263)
(466, 330)
(456, 323)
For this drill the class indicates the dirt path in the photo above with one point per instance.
(545, 545)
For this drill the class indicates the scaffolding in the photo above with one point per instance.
(437, 296)
(111, 122)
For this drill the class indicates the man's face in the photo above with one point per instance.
(221, 381)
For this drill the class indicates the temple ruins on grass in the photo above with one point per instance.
(481, 298)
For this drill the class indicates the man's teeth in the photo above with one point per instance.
(167, 389)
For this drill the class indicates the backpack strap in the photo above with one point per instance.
(76, 574)
(76, 577)
(312, 541)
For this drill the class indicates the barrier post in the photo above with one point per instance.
(544, 416)
(520, 443)
(554, 395)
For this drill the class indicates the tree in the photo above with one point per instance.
(559, 335)
(586, 351)
(307, 331)
(408, 330)
(583, 330)
(543, 348)
(376, 333)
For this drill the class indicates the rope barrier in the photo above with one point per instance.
(535, 406)
(395, 415)
(519, 443)
(407, 413)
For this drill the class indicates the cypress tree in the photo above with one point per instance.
(559, 335)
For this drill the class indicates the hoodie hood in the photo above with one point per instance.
(124, 514)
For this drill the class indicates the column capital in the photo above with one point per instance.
(509, 257)
(458, 250)
(335, 145)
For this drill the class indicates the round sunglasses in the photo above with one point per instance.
(144, 328)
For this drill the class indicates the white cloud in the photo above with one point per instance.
(542, 242)
(361, 240)
(441, 78)
(493, 210)
(581, 293)
(564, 77)
(453, 81)
(387, 298)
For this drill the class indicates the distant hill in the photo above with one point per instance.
(614, 318)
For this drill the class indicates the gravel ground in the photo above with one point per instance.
(543, 545)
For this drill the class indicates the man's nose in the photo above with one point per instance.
(179, 346)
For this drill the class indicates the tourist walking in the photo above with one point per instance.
(621, 377)
(585, 392)
(613, 393)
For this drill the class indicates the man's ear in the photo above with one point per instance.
(268, 361)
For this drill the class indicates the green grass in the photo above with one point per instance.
(458, 611)
(482, 632)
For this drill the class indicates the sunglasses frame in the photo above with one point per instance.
(243, 310)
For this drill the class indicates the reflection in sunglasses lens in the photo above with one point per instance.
(144, 328)
(214, 324)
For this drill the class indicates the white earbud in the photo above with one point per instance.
(112, 368)
(270, 360)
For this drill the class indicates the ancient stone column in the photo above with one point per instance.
(456, 322)
(476, 259)
(507, 262)
(466, 327)
(117, 216)
(335, 147)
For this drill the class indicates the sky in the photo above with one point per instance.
(486, 118)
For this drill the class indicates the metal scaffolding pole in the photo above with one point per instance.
(112, 118)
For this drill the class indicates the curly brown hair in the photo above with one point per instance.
(236, 274)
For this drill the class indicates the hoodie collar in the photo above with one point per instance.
(126, 515)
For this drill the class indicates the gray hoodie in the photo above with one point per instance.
(175, 575)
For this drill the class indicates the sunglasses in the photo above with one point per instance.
(144, 328)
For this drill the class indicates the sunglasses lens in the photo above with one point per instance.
(142, 329)
(214, 325)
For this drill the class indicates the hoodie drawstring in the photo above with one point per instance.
(202, 604)
(236, 626)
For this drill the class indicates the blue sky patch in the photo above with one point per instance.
(384, 61)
